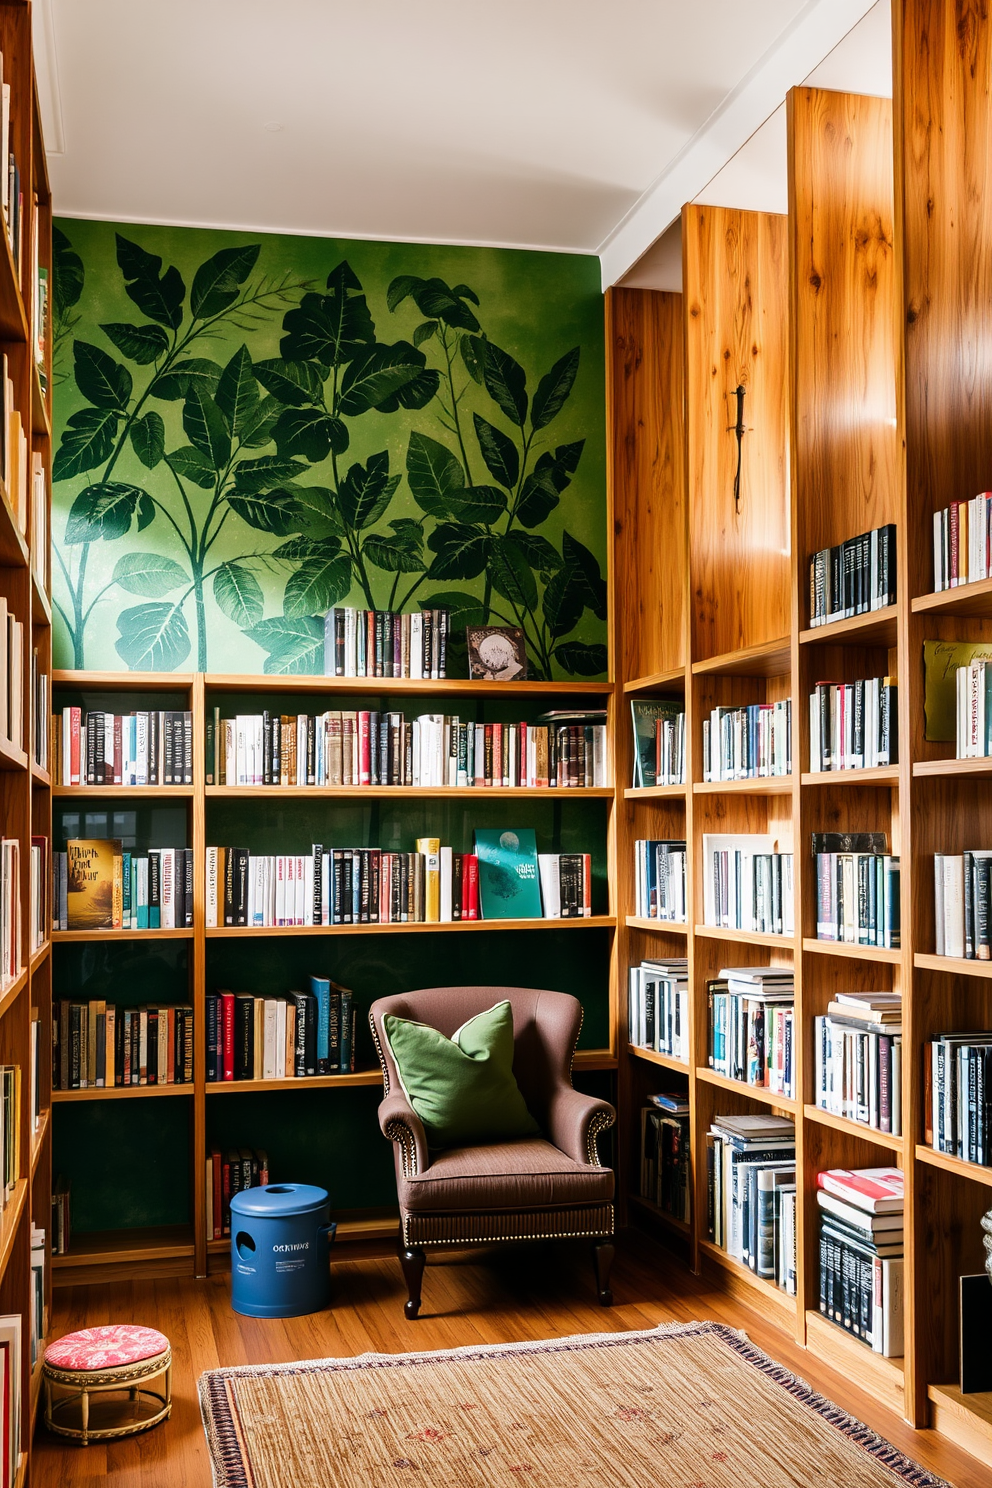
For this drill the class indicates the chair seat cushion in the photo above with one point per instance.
(109, 1347)
(526, 1174)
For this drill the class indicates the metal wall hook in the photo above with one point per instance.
(740, 430)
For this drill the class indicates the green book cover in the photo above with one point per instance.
(509, 886)
(941, 660)
(645, 713)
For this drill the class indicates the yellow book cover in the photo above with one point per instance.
(90, 891)
(430, 850)
(118, 901)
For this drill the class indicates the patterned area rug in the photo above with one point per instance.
(692, 1405)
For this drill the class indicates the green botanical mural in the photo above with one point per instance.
(253, 428)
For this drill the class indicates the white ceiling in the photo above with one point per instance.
(561, 124)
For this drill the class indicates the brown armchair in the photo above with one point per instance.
(533, 1188)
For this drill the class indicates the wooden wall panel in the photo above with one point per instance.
(645, 419)
(844, 330)
(735, 285)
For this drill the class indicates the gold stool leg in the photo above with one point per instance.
(84, 1412)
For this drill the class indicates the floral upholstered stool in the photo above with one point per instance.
(115, 1364)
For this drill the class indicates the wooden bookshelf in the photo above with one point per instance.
(883, 422)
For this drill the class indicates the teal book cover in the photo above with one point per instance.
(646, 714)
(509, 886)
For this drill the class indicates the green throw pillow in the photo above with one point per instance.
(462, 1088)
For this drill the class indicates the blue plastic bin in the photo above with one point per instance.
(280, 1250)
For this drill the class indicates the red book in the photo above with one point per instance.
(217, 1173)
(170, 1056)
(470, 887)
(497, 754)
(587, 886)
(118, 751)
(522, 776)
(364, 749)
(225, 1196)
(227, 1034)
(876, 1190)
(75, 720)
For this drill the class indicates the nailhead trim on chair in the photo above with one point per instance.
(492, 1229)
(397, 1131)
(602, 1121)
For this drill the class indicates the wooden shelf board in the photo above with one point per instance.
(306, 1082)
(127, 681)
(40, 419)
(9, 1221)
(768, 659)
(38, 1137)
(974, 599)
(753, 1092)
(11, 992)
(953, 965)
(114, 1247)
(12, 758)
(672, 927)
(38, 956)
(767, 785)
(747, 937)
(851, 952)
(876, 775)
(13, 548)
(41, 609)
(93, 935)
(877, 628)
(40, 777)
(179, 792)
(651, 1056)
(655, 793)
(430, 927)
(657, 681)
(776, 1300)
(409, 686)
(974, 1172)
(966, 1419)
(120, 1092)
(680, 1226)
(968, 769)
(882, 1378)
(853, 1128)
(414, 792)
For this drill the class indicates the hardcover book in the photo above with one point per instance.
(90, 896)
(645, 713)
(509, 886)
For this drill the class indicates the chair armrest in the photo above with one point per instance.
(401, 1124)
(575, 1121)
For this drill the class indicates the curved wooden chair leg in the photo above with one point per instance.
(413, 1262)
(603, 1252)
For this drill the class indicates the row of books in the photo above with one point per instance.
(10, 1130)
(660, 880)
(853, 577)
(973, 710)
(957, 1095)
(747, 883)
(658, 1007)
(141, 748)
(857, 1059)
(861, 1254)
(666, 1173)
(229, 1172)
(41, 704)
(381, 643)
(750, 742)
(11, 956)
(347, 748)
(505, 878)
(751, 1187)
(857, 889)
(853, 725)
(752, 1026)
(99, 886)
(659, 741)
(962, 542)
(98, 1045)
(11, 678)
(962, 893)
(250, 1037)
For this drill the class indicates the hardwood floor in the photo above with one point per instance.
(506, 1296)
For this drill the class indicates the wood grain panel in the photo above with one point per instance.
(735, 278)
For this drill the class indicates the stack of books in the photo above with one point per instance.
(99, 886)
(861, 1254)
(659, 880)
(957, 1095)
(854, 577)
(228, 1173)
(250, 1037)
(11, 679)
(752, 1026)
(381, 643)
(97, 1045)
(659, 741)
(961, 903)
(665, 1167)
(749, 742)
(751, 1176)
(962, 542)
(363, 747)
(853, 725)
(973, 713)
(11, 957)
(658, 1007)
(747, 884)
(857, 889)
(857, 1053)
(143, 748)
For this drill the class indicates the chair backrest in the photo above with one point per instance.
(545, 1030)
